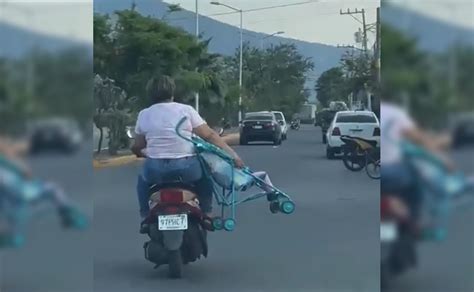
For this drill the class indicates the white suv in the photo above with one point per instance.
(362, 124)
(282, 121)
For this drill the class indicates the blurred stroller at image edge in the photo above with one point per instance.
(21, 191)
(419, 182)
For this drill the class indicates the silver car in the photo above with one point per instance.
(282, 121)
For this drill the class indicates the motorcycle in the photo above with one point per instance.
(399, 234)
(295, 125)
(397, 239)
(358, 151)
(177, 227)
(174, 226)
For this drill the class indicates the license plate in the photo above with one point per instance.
(388, 232)
(257, 127)
(173, 222)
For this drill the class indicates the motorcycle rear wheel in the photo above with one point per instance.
(385, 275)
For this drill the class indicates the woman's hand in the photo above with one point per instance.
(239, 163)
(211, 136)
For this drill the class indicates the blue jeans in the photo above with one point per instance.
(159, 171)
(401, 180)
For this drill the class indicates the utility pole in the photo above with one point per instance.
(364, 25)
(196, 97)
(378, 48)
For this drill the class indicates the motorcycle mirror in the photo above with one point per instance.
(130, 133)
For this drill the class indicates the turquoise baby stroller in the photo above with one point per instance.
(230, 182)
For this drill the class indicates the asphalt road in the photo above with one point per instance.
(55, 260)
(447, 266)
(329, 244)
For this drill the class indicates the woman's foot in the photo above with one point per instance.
(206, 222)
(144, 228)
(72, 218)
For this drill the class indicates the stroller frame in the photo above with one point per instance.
(228, 198)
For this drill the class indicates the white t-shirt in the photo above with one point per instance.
(394, 121)
(158, 124)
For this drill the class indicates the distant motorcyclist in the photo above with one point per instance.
(19, 189)
(296, 119)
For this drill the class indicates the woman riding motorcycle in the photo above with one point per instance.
(168, 155)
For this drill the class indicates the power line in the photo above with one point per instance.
(281, 6)
(253, 10)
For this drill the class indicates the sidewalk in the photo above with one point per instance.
(123, 157)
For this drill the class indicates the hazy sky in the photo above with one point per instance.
(70, 19)
(317, 22)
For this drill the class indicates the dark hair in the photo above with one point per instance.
(160, 89)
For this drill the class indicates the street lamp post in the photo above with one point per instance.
(241, 48)
(268, 36)
(197, 37)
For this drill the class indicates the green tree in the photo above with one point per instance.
(112, 111)
(143, 46)
(359, 72)
(332, 86)
(273, 78)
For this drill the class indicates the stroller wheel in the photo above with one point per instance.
(274, 207)
(272, 196)
(229, 224)
(287, 207)
(218, 223)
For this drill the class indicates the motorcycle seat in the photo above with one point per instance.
(372, 143)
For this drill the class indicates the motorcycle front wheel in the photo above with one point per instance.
(372, 163)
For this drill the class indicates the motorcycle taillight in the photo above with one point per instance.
(171, 196)
(172, 210)
(384, 207)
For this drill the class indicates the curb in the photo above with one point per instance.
(231, 139)
(115, 161)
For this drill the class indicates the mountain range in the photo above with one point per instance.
(16, 41)
(433, 35)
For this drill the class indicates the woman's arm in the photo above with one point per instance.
(206, 133)
(13, 152)
(139, 145)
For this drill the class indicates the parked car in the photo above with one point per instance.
(361, 124)
(463, 131)
(260, 126)
(55, 134)
(324, 119)
(282, 121)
